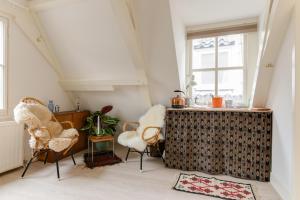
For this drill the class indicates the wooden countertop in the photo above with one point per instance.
(198, 108)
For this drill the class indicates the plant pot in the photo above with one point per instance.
(217, 102)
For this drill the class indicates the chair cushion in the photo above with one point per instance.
(154, 117)
(132, 139)
(69, 133)
(54, 128)
(59, 144)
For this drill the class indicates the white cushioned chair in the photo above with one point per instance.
(147, 133)
(46, 133)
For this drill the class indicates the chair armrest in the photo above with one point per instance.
(125, 125)
(68, 123)
(153, 139)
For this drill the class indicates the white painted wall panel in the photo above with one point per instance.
(280, 100)
(11, 143)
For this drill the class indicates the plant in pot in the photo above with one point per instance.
(99, 123)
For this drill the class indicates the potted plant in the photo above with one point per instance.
(99, 123)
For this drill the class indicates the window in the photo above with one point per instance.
(3, 67)
(217, 65)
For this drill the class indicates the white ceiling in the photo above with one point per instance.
(198, 12)
(87, 41)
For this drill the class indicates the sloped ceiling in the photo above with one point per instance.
(198, 12)
(88, 41)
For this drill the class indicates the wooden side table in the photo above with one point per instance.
(96, 139)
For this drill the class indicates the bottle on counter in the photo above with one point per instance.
(51, 105)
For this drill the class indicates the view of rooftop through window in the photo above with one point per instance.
(218, 68)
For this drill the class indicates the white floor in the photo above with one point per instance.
(121, 181)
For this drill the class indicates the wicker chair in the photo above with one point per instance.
(47, 134)
(147, 133)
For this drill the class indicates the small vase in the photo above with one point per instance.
(51, 105)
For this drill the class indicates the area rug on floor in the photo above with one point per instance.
(101, 159)
(214, 187)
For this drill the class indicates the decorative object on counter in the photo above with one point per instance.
(99, 124)
(191, 83)
(236, 143)
(77, 104)
(217, 102)
(178, 101)
(228, 103)
(214, 187)
(51, 105)
(56, 108)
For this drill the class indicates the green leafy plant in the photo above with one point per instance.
(107, 124)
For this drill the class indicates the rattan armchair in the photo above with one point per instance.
(143, 134)
(47, 133)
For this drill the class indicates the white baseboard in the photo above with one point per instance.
(280, 189)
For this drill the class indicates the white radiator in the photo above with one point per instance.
(11, 146)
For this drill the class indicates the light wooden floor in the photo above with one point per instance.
(121, 181)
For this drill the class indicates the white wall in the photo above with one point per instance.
(29, 74)
(87, 41)
(251, 60)
(156, 33)
(280, 101)
(179, 33)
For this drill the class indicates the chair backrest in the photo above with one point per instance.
(32, 112)
(155, 116)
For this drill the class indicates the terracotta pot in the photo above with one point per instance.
(217, 102)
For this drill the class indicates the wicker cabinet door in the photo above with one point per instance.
(231, 143)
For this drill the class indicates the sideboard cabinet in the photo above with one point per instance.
(236, 143)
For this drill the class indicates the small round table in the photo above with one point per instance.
(96, 139)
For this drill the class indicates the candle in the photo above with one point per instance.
(98, 124)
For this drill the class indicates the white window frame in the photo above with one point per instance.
(4, 111)
(216, 69)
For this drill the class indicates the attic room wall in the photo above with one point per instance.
(179, 33)
(92, 47)
(29, 74)
(280, 100)
(156, 33)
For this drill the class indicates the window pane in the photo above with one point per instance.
(231, 51)
(1, 43)
(203, 51)
(205, 87)
(231, 85)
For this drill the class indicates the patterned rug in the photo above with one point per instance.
(214, 187)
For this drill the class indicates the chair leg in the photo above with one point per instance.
(28, 164)
(127, 154)
(46, 157)
(141, 161)
(57, 166)
(72, 155)
(148, 151)
(162, 154)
